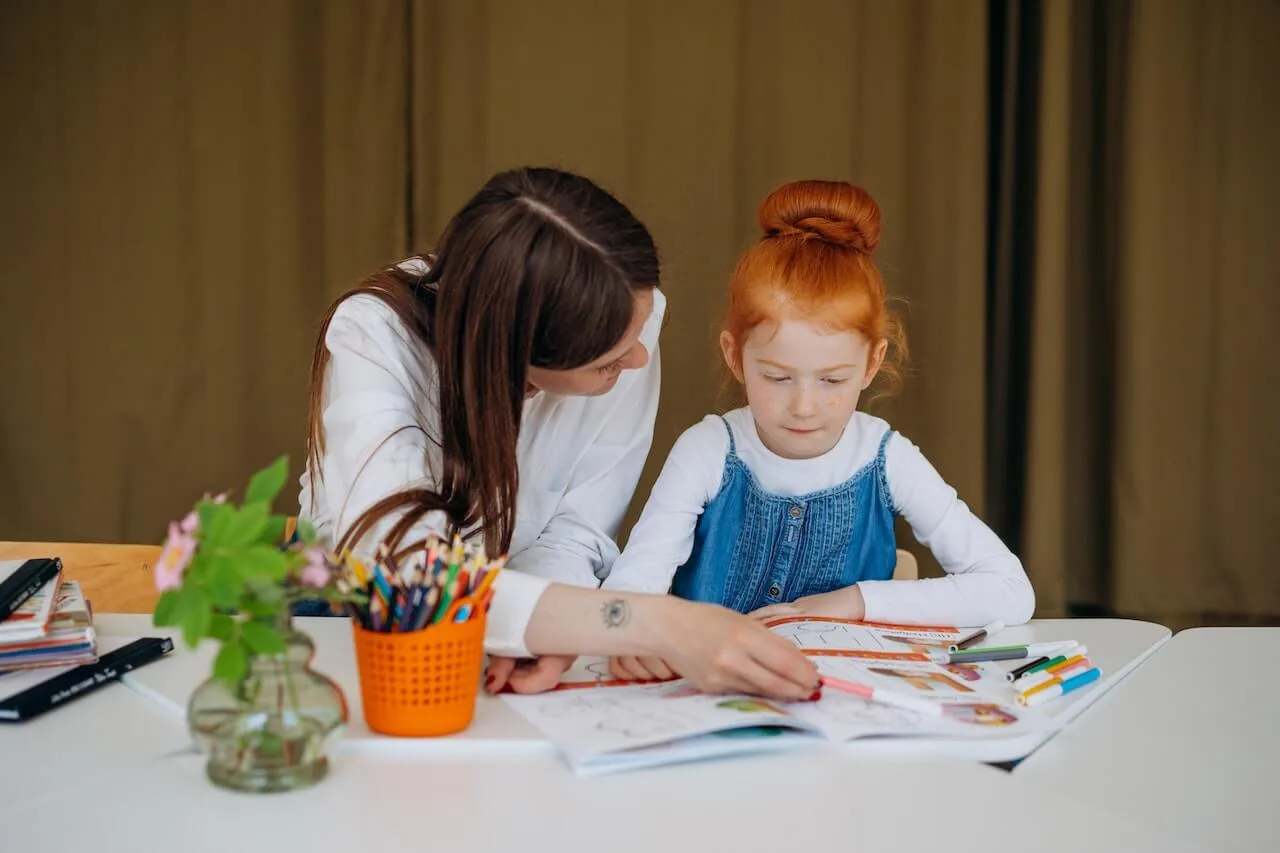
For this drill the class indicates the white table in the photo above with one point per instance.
(1191, 741)
(1116, 645)
(805, 801)
(128, 783)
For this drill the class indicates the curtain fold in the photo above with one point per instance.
(1153, 484)
(186, 186)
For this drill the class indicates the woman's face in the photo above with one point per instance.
(601, 375)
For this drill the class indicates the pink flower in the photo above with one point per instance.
(176, 555)
(190, 523)
(316, 572)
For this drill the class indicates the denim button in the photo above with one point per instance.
(796, 510)
(774, 592)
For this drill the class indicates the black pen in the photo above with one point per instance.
(69, 686)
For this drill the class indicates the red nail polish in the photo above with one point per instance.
(817, 694)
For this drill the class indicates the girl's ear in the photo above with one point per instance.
(874, 362)
(732, 358)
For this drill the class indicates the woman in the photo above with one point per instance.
(506, 386)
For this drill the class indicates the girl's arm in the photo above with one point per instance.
(985, 582)
(662, 539)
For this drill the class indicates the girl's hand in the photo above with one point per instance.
(631, 668)
(843, 603)
(526, 676)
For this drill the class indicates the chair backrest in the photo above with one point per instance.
(906, 569)
(115, 578)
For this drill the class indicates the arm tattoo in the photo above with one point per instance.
(616, 613)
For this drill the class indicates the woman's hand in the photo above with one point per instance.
(632, 668)
(526, 676)
(721, 651)
(845, 603)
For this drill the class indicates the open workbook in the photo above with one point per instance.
(602, 725)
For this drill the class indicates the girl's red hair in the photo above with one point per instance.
(814, 263)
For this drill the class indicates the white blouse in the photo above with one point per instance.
(579, 457)
(984, 582)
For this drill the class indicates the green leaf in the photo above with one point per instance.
(263, 562)
(222, 627)
(273, 532)
(266, 600)
(267, 483)
(306, 531)
(231, 664)
(222, 578)
(168, 609)
(196, 619)
(214, 521)
(246, 526)
(261, 639)
(259, 609)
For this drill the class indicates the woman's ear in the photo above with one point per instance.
(732, 357)
(874, 362)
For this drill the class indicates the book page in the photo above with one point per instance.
(977, 700)
(812, 634)
(588, 722)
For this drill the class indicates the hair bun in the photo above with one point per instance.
(835, 212)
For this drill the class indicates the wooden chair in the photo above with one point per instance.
(906, 569)
(115, 578)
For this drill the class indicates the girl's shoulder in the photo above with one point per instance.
(869, 427)
(708, 437)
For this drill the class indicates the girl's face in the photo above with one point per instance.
(601, 375)
(802, 382)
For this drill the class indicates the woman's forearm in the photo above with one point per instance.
(577, 620)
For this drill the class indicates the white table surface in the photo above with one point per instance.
(803, 801)
(113, 772)
(1190, 741)
(1115, 645)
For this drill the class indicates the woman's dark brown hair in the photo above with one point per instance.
(540, 268)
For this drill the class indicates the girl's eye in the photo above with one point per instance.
(773, 377)
(835, 380)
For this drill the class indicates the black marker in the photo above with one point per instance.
(64, 688)
(28, 579)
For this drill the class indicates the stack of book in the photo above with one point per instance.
(44, 620)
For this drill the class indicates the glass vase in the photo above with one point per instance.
(272, 732)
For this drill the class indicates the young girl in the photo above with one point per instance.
(786, 507)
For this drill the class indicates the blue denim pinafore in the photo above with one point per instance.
(753, 548)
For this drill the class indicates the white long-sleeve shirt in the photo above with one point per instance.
(985, 582)
(579, 458)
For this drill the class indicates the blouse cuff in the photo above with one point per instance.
(515, 595)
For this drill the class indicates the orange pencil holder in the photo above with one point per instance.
(420, 683)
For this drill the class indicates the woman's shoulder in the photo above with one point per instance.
(653, 326)
(366, 323)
